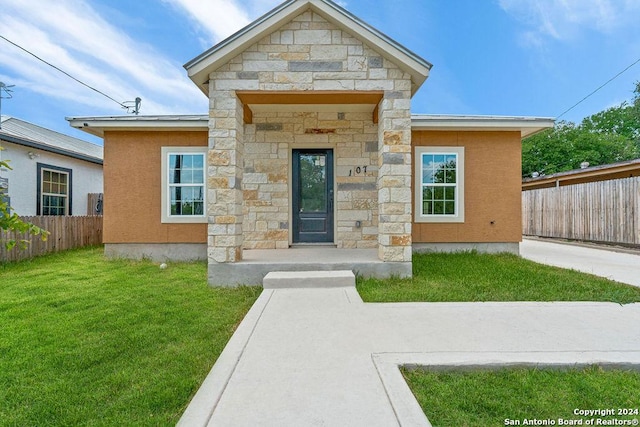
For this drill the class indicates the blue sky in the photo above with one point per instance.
(491, 57)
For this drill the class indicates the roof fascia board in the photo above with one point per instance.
(527, 126)
(229, 48)
(195, 65)
(383, 44)
(97, 126)
(50, 149)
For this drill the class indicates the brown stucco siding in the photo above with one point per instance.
(492, 188)
(132, 188)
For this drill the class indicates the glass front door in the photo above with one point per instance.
(312, 196)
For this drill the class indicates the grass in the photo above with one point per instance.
(84, 341)
(489, 398)
(470, 276)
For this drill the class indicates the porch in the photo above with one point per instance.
(256, 263)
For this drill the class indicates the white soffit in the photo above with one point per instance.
(200, 67)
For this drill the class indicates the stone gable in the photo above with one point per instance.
(310, 53)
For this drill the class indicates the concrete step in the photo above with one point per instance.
(309, 279)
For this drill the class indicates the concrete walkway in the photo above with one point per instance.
(619, 266)
(321, 357)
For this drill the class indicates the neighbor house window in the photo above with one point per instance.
(183, 184)
(54, 190)
(439, 184)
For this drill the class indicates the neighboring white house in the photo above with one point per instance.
(52, 173)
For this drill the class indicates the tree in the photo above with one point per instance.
(623, 120)
(313, 184)
(10, 221)
(610, 136)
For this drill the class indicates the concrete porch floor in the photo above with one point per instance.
(257, 263)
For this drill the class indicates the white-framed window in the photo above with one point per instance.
(54, 190)
(439, 184)
(183, 184)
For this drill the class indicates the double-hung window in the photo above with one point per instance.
(54, 190)
(439, 184)
(183, 184)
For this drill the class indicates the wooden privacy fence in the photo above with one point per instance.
(66, 232)
(605, 211)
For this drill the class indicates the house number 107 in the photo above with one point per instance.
(358, 171)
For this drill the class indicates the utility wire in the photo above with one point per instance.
(603, 85)
(64, 72)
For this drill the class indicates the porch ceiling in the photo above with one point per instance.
(363, 101)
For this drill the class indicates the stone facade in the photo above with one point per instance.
(224, 177)
(268, 145)
(249, 163)
(394, 180)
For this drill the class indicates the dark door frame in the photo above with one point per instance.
(299, 236)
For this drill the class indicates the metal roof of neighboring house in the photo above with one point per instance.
(20, 132)
(525, 125)
(201, 66)
(625, 169)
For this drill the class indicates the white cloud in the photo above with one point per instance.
(74, 37)
(221, 18)
(218, 18)
(566, 19)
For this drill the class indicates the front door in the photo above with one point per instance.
(312, 196)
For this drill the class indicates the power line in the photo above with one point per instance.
(6, 89)
(603, 85)
(65, 73)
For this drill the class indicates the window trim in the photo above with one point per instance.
(166, 217)
(41, 167)
(460, 172)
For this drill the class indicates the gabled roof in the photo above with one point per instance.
(27, 134)
(200, 67)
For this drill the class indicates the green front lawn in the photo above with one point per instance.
(509, 396)
(85, 341)
(470, 276)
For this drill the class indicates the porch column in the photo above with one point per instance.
(394, 177)
(224, 182)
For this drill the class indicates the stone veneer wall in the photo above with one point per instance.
(224, 177)
(268, 145)
(310, 53)
(394, 179)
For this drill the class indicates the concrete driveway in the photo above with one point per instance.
(615, 265)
